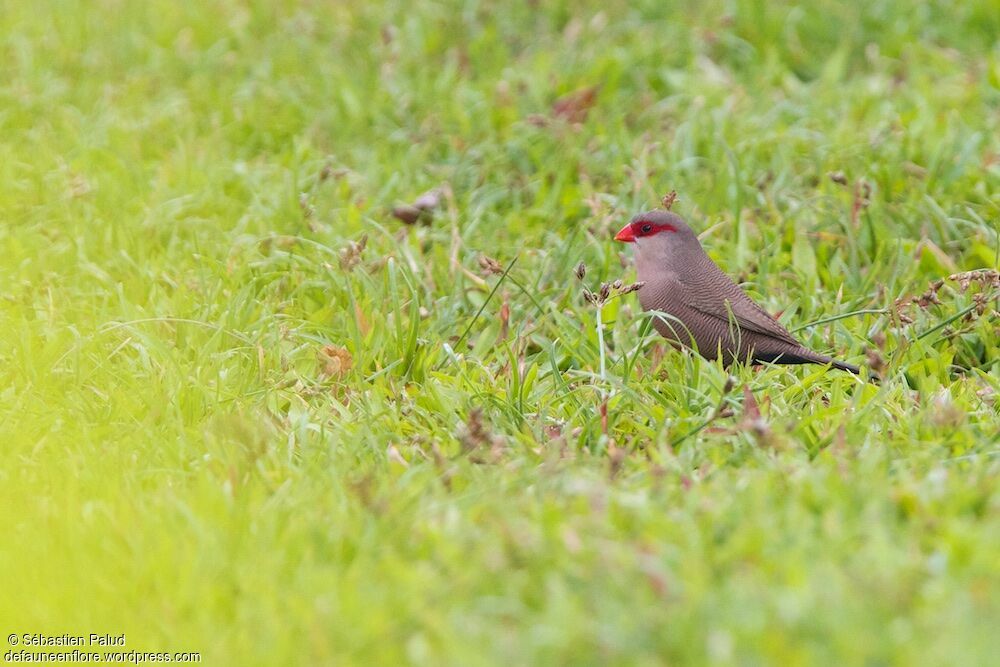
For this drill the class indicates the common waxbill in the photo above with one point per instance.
(701, 307)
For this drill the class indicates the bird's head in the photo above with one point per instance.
(662, 241)
(656, 228)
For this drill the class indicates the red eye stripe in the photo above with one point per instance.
(640, 228)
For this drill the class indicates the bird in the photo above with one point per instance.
(697, 305)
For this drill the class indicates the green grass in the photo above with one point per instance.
(184, 464)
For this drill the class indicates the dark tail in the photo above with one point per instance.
(806, 356)
(825, 360)
(843, 366)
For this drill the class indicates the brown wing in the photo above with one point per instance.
(711, 292)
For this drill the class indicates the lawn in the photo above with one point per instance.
(297, 369)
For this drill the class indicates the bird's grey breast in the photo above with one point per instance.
(661, 291)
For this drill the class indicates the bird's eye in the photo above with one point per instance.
(645, 229)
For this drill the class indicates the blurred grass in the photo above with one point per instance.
(177, 185)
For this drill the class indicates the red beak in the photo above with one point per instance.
(626, 235)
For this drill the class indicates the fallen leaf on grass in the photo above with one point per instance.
(475, 437)
(575, 106)
(504, 319)
(616, 459)
(407, 214)
(862, 199)
(751, 410)
(422, 208)
(876, 361)
(752, 420)
(334, 360)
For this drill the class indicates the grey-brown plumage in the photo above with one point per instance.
(698, 306)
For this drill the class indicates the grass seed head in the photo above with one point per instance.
(350, 255)
(489, 266)
(837, 177)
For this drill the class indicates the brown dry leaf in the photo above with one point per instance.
(334, 360)
(752, 420)
(422, 209)
(575, 106)
(363, 324)
(751, 410)
(840, 439)
(393, 454)
(657, 356)
(537, 120)
(504, 319)
(616, 459)
(875, 360)
(474, 433)
(475, 437)
(407, 214)
(862, 198)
